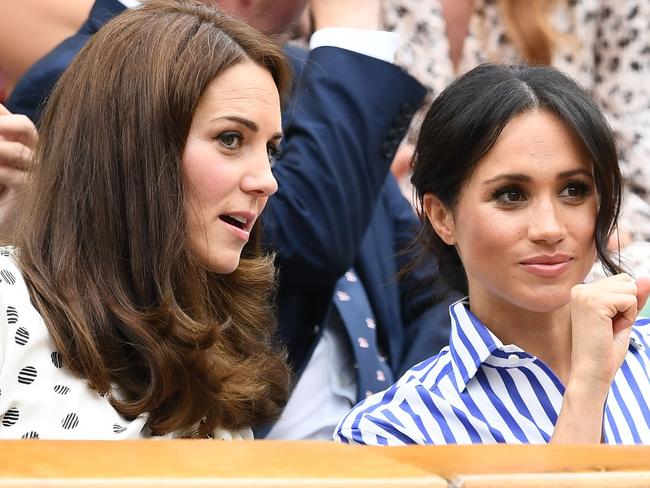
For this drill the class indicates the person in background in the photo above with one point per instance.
(338, 220)
(519, 187)
(17, 138)
(137, 300)
(29, 29)
(350, 324)
(603, 44)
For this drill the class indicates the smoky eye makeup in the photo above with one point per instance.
(508, 195)
(577, 189)
(274, 152)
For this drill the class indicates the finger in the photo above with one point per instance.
(643, 291)
(18, 128)
(610, 286)
(15, 154)
(3, 110)
(626, 311)
(619, 277)
(12, 179)
(619, 282)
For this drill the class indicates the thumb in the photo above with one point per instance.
(642, 291)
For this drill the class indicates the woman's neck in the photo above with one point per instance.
(546, 335)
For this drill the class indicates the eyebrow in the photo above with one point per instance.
(523, 178)
(248, 123)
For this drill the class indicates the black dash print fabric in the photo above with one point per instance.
(39, 397)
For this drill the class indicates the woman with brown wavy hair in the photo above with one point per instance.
(136, 302)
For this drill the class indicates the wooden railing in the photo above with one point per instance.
(271, 464)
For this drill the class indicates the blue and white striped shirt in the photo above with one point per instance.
(477, 390)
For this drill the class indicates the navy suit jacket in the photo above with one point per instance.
(31, 91)
(337, 204)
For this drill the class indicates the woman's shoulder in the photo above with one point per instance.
(13, 290)
(9, 270)
(640, 336)
(642, 325)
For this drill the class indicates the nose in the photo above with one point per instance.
(260, 180)
(546, 223)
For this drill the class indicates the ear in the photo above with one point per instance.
(440, 217)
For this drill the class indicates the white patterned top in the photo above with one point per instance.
(39, 397)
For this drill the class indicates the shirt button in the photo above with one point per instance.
(638, 345)
(513, 359)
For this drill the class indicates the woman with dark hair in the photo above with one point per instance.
(137, 301)
(597, 42)
(519, 188)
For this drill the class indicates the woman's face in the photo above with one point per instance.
(227, 162)
(524, 224)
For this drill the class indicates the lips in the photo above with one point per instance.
(240, 223)
(548, 259)
(548, 266)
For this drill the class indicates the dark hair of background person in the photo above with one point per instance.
(467, 118)
(104, 246)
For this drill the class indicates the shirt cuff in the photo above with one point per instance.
(377, 44)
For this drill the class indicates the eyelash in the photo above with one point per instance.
(583, 187)
(274, 153)
(272, 150)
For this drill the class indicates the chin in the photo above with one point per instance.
(544, 301)
(224, 263)
(224, 267)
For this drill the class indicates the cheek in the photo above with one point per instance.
(584, 229)
(261, 203)
(207, 177)
(485, 237)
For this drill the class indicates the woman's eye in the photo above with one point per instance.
(273, 152)
(575, 190)
(231, 140)
(510, 195)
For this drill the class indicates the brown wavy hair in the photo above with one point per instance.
(104, 246)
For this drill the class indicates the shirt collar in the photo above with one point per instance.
(130, 3)
(470, 343)
(640, 335)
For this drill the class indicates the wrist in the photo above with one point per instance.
(585, 389)
(594, 373)
(581, 418)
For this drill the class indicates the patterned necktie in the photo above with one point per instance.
(354, 309)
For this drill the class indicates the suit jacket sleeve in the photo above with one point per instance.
(36, 85)
(346, 119)
(33, 89)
